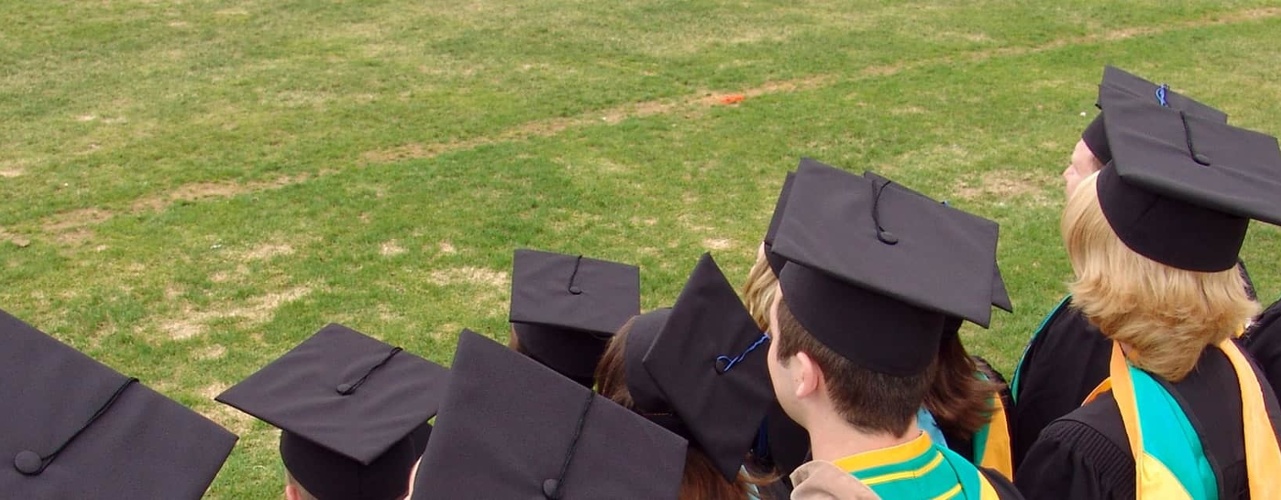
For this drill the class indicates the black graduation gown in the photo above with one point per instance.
(1086, 454)
(780, 447)
(1005, 490)
(1263, 342)
(1066, 360)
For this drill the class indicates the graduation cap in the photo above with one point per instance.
(1000, 296)
(1182, 188)
(565, 308)
(873, 272)
(1095, 134)
(776, 262)
(75, 428)
(352, 410)
(511, 428)
(699, 369)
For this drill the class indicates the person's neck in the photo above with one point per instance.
(834, 439)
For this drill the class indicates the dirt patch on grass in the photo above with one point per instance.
(11, 172)
(468, 276)
(718, 243)
(447, 248)
(73, 227)
(391, 248)
(234, 420)
(16, 239)
(1002, 185)
(216, 351)
(205, 190)
(257, 310)
(267, 251)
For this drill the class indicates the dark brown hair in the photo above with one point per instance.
(871, 402)
(960, 401)
(701, 481)
(513, 341)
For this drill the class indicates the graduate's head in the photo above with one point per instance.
(1154, 238)
(312, 468)
(698, 370)
(564, 308)
(353, 413)
(1164, 314)
(812, 381)
(873, 272)
(700, 479)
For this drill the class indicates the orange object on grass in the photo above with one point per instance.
(732, 98)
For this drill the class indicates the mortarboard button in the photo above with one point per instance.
(886, 237)
(575, 290)
(28, 462)
(551, 489)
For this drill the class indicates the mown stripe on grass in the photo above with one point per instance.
(704, 100)
(72, 228)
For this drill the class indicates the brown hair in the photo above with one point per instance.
(1166, 315)
(959, 399)
(871, 402)
(701, 480)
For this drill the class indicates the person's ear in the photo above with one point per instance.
(807, 375)
(291, 492)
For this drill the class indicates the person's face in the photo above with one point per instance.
(1082, 165)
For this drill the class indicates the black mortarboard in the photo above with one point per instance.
(872, 272)
(1000, 296)
(510, 428)
(1095, 135)
(350, 409)
(565, 308)
(1182, 189)
(702, 362)
(75, 428)
(776, 262)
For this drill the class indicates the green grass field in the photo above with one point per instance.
(189, 188)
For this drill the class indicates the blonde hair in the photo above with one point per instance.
(1165, 315)
(759, 291)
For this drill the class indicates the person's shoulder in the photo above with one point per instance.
(1003, 488)
(1091, 427)
(1083, 454)
(819, 480)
